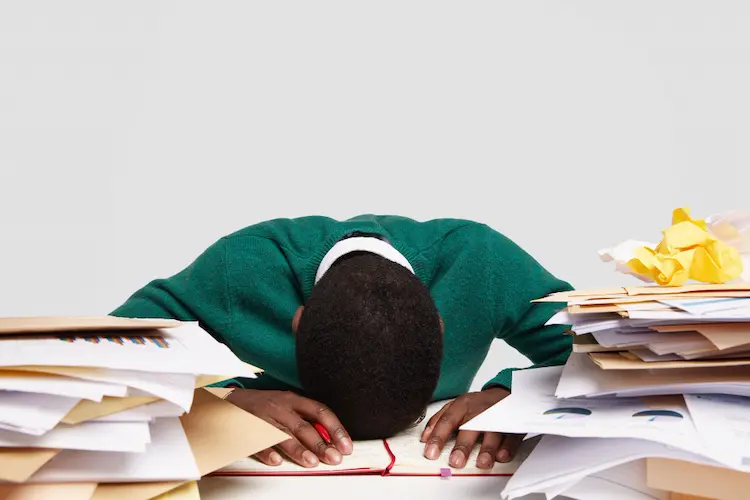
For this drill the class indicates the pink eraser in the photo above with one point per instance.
(445, 472)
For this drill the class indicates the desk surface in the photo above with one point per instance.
(361, 487)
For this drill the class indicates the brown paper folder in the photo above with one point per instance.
(613, 361)
(19, 464)
(187, 491)
(697, 479)
(49, 491)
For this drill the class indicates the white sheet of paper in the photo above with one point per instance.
(189, 350)
(114, 436)
(535, 409)
(30, 413)
(145, 413)
(651, 357)
(167, 458)
(620, 338)
(561, 460)
(61, 386)
(733, 315)
(709, 305)
(622, 482)
(175, 387)
(723, 423)
(582, 378)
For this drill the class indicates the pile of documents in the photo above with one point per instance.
(658, 384)
(660, 324)
(105, 407)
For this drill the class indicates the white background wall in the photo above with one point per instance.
(133, 134)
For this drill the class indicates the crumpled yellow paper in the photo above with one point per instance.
(687, 251)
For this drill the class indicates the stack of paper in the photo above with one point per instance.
(585, 438)
(619, 408)
(101, 401)
(697, 337)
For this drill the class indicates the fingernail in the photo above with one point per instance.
(432, 452)
(333, 456)
(275, 458)
(346, 446)
(309, 458)
(484, 460)
(457, 459)
(503, 456)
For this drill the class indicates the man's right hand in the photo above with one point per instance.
(296, 415)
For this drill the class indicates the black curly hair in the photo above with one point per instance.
(369, 345)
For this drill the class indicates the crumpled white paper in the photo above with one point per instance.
(731, 227)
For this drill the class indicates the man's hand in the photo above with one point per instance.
(443, 424)
(296, 415)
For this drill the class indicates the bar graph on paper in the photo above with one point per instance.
(158, 342)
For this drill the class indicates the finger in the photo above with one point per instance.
(269, 457)
(444, 427)
(508, 449)
(465, 442)
(310, 439)
(431, 423)
(298, 454)
(322, 414)
(488, 451)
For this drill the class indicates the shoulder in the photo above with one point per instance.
(281, 228)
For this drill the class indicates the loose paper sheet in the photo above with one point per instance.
(187, 349)
(167, 458)
(47, 324)
(105, 436)
(534, 409)
(33, 414)
(43, 383)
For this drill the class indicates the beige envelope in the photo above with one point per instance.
(187, 491)
(133, 491)
(722, 335)
(697, 479)
(595, 309)
(219, 434)
(52, 324)
(50, 491)
(587, 343)
(19, 464)
(88, 410)
(613, 361)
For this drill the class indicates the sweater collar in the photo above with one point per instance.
(361, 243)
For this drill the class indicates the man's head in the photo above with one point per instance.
(369, 345)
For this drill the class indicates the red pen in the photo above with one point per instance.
(323, 433)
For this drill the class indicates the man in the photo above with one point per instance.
(359, 324)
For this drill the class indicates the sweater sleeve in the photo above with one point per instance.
(516, 279)
(198, 293)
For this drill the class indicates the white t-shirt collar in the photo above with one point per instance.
(360, 244)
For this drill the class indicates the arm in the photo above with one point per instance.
(198, 293)
(515, 280)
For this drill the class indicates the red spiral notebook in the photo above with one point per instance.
(401, 455)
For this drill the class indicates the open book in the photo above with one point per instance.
(401, 455)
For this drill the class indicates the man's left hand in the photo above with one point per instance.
(495, 446)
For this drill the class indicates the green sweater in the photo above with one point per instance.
(245, 289)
